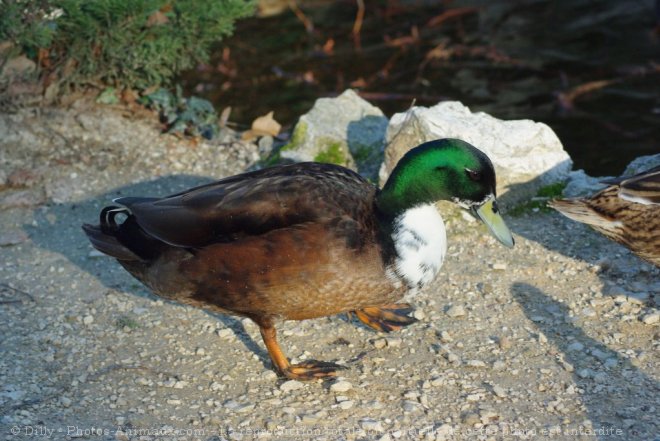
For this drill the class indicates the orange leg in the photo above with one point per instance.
(386, 318)
(308, 370)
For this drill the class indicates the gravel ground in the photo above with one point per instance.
(557, 338)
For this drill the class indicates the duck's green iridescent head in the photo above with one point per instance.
(445, 169)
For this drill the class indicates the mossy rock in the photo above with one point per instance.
(345, 130)
(297, 137)
(333, 154)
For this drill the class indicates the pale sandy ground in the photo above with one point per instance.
(555, 339)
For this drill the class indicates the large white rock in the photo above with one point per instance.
(346, 130)
(527, 155)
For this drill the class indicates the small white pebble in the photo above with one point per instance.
(456, 311)
(341, 386)
(476, 363)
(394, 342)
(585, 373)
(499, 391)
(180, 384)
(370, 424)
(269, 375)
(344, 405)
(499, 365)
(453, 358)
(575, 346)
(225, 333)
(651, 318)
(445, 337)
(291, 385)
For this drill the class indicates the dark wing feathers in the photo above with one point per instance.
(253, 203)
(643, 188)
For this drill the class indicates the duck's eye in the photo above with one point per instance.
(473, 175)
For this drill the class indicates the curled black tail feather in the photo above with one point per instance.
(107, 218)
(123, 239)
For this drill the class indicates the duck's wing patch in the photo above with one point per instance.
(252, 203)
(643, 188)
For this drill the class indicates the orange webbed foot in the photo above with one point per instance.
(311, 370)
(305, 371)
(386, 318)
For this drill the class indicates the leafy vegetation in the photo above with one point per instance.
(551, 191)
(538, 203)
(126, 321)
(190, 116)
(26, 25)
(122, 43)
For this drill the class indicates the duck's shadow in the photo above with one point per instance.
(57, 228)
(617, 390)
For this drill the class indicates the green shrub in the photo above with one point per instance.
(122, 43)
(26, 26)
(191, 116)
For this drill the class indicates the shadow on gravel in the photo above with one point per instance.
(615, 391)
(58, 229)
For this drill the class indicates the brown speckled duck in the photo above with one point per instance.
(300, 241)
(627, 211)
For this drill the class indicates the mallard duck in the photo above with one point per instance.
(304, 240)
(627, 211)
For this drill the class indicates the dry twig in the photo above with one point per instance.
(357, 25)
(309, 26)
(566, 99)
(448, 15)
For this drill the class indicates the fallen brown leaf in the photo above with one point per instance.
(359, 83)
(129, 96)
(224, 116)
(157, 19)
(262, 126)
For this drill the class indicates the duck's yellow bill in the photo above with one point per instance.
(490, 215)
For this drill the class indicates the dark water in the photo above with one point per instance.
(534, 59)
